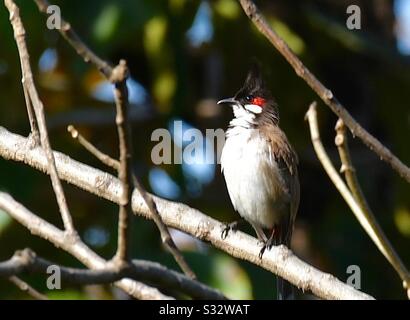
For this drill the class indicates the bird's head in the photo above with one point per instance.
(254, 102)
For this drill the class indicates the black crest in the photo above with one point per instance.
(254, 85)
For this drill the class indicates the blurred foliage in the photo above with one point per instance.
(183, 56)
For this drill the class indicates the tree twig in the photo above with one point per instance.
(367, 224)
(31, 115)
(353, 183)
(324, 93)
(118, 77)
(80, 47)
(24, 286)
(104, 158)
(74, 246)
(278, 260)
(141, 270)
(19, 35)
(165, 235)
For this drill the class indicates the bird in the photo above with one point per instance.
(260, 168)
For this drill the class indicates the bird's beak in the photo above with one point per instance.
(230, 101)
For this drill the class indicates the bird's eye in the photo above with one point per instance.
(248, 98)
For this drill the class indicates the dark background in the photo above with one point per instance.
(184, 56)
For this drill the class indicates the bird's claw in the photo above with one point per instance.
(225, 232)
(266, 245)
(228, 227)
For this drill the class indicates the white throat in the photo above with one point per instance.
(242, 118)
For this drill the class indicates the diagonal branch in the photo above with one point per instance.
(140, 270)
(24, 286)
(104, 158)
(351, 178)
(113, 163)
(72, 245)
(324, 93)
(367, 224)
(279, 260)
(118, 76)
(32, 95)
(80, 47)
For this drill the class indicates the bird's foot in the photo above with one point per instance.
(233, 226)
(267, 245)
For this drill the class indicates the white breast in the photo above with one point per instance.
(252, 177)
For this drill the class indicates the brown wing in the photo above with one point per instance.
(287, 161)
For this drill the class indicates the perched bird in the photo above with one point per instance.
(260, 168)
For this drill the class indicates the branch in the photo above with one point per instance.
(24, 286)
(140, 270)
(32, 95)
(72, 245)
(369, 225)
(118, 77)
(350, 174)
(279, 260)
(165, 235)
(104, 158)
(31, 114)
(80, 47)
(324, 93)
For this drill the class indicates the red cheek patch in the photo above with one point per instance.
(258, 101)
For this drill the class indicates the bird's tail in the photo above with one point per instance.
(285, 291)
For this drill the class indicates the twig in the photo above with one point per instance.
(118, 77)
(279, 260)
(165, 235)
(104, 158)
(324, 93)
(31, 115)
(368, 224)
(74, 246)
(140, 270)
(353, 183)
(74, 40)
(19, 35)
(24, 286)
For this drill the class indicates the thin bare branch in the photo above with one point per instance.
(324, 93)
(35, 135)
(72, 245)
(104, 158)
(368, 224)
(24, 286)
(165, 235)
(279, 260)
(19, 35)
(147, 271)
(353, 183)
(74, 40)
(118, 78)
